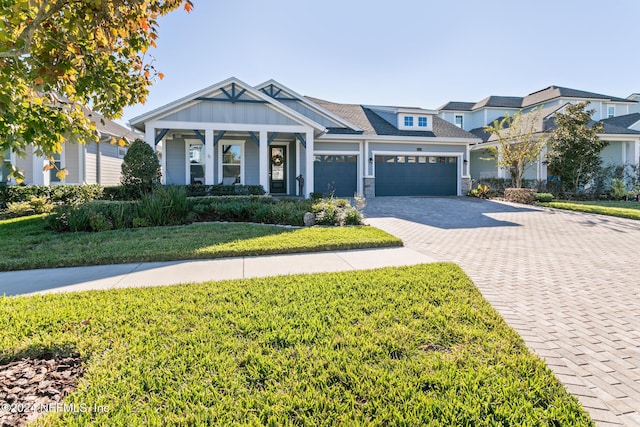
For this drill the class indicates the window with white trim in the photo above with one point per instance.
(408, 121)
(611, 111)
(422, 122)
(197, 163)
(231, 164)
(53, 172)
(459, 120)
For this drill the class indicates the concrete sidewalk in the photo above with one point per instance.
(72, 279)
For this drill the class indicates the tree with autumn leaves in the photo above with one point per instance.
(60, 56)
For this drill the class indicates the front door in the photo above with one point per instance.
(278, 171)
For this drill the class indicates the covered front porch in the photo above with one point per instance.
(275, 158)
(231, 133)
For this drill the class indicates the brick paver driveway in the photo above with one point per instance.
(569, 283)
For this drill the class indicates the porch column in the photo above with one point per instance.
(264, 166)
(636, 153)
(298, 145)
(542, 167)
(39, 177)
(208, 154)
(150, 137)
(467, 165)
(308, 183)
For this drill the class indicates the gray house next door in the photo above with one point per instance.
(416, 175)
(336, 174)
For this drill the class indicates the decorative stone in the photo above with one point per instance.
(309, 219)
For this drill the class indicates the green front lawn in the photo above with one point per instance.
(620, 209)
(395, 346)
(24, 243)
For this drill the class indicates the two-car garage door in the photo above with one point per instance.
(400, 175)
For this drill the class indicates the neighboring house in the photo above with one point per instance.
(233, 133)
(620, 117)
(92, 163)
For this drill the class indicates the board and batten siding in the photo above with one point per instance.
(251, 163)
(226, 112)
(176, 161)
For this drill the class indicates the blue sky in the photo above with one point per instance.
(406, 53)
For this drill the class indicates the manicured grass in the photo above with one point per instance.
(395, 346)
(24, 243)
(629, 210)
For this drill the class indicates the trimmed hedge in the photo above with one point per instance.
(224, 190)
(56, 194)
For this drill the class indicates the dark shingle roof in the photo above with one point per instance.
(500, 101)
(553, 92)
(623, 121)
(372, 123)
(457, 106)
(110, 128)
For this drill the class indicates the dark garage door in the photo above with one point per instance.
(416, 176)
(337, 174)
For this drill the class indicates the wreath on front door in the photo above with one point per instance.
(277, 160)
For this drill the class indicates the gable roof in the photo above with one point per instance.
(541, 96)
(554, 92)
(139, 121)
(457, 106)
(109, 128)
(306, 101)
(372, 123)
(500, 101)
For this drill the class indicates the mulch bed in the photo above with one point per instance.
(30, 387)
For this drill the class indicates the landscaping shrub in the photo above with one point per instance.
(618, 189)
(224, 190)
(164, 206)
(93, 216)
(140, 168)
(544, 197)
(520, 195)
(55, 194)
(35, 205)
(481, 192)
(336, 212)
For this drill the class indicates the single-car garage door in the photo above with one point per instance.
(416, 176)
(335, 174)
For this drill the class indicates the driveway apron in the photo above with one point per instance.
(568, 282)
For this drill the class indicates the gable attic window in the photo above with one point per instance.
(422, 122)
(459, 120)
(408, 121)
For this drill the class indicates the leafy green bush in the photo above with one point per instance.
(544, 197)
(481, 192)
(55, 194)
(140, 168)
(618, 189)
(35, 205)
(166, 205)
(224, 190)
(336, 212)
(93, 216)
(520, 195)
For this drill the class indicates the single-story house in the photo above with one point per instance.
(234, 133)
(91, 163)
